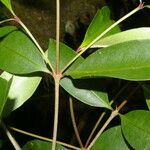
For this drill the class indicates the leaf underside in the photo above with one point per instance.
(76, 88)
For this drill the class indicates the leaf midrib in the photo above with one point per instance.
(101, 100)
(106, 70)
(17, 53)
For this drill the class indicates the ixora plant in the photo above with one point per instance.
(123, 55)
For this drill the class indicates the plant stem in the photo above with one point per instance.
(11, 138)
(82, 50)
(57, 34)
(57, 78)
(35, 42)
(74, 122)
(116, 23)
(102, 115)
(7, 20)
(43, 138)
(112, 116)
(96, 125)
(94, 129)
(120, 91)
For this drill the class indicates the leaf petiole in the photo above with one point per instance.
(82, 50)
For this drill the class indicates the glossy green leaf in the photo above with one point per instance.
(129, 60)
(7, 3)
(146, 89)
(4, 88)
(125, 36)
(111, 139)
(136, 129)
(83, 90)
(98, 25)
(41, 145)
(66, 54)
(21, 89)
(73, 87)
(19, 55)
(6, 30)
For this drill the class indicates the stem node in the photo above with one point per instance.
(141, 5)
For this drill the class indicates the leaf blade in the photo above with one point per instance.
(99, 24)
(7, 3)
(6, 30)
(111, 138)
(19, 55)
(146, 89)
(4, 88)
(129, 61)
(125, 36)
(80, 90)
(41, 145)
(136, 124)
(66, 54)
(25, 87)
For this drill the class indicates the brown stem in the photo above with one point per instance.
(43, 138)
(56, 110)
(74, 122)
(94, 129)
(112, 116)
(96, 126)
(17, 19)
(57, 34)
(10, 137)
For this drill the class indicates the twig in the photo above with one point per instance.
(56, 110)
(82, 50)
(10, 137)
(57, 34)
(57, 76)
(43, 138)
(74, 122)
(96, 126)
(17, 19)
(94, 129)
(7, 20)
(112, 116)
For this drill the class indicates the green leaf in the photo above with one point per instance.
(111, 138)
(146, 89)
(83, 90)
(136, 129)
(66, 54)
(129, 60)
(4, 88)
(148, 6)
(25, 87)
(41, 145)
(73, 87)
(18, 55)
(6, 30)
(125, 36)
(7, 3)
(98, 25)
